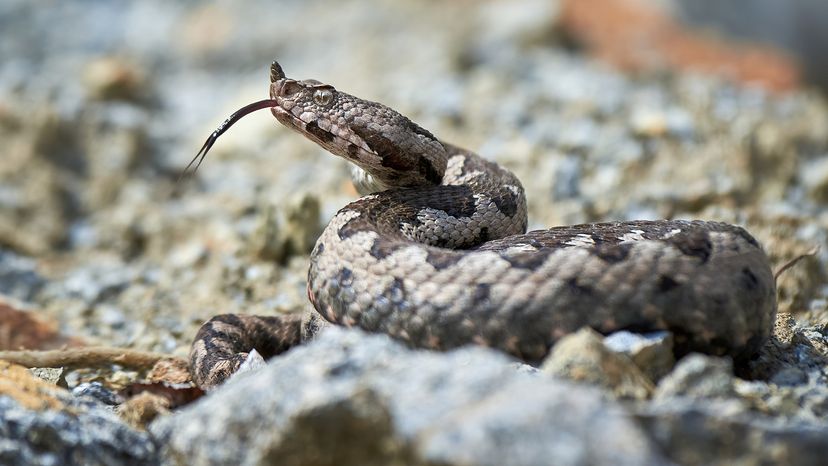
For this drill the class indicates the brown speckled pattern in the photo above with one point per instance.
(439, 257)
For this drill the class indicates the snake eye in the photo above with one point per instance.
(323, 97)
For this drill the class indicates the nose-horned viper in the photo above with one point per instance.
(436, 254)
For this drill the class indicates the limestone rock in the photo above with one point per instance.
(717, 432)
(583, 357)
(698, 376)
(44, 424)
(349, 398)
(651, 352)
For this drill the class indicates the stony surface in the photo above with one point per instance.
(583, 357)
(720, 432)
(52, 375)
(100, 243)
(350, 398)
(651, 352)
(43, 425)
(98, 392)
(698, 376)
(18, 276)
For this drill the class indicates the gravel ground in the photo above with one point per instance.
(99, 117)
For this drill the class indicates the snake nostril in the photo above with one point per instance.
(289, 88)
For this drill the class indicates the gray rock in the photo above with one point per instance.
(533, 22)
(253, 363)
(95, 283)
(273, 240)
(814, 337)
(84, 434)
(717, 432)
(815, 179)
(53, 375)
(651, 352)
(789, 376)
(583, 357)
(698, 376)
(349, 398)
(97, 391)
(567, 178)
(18, 276)
(802, 401)
(794, 350)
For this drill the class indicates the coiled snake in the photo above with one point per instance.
(436, 254)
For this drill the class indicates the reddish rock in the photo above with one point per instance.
(637, 36)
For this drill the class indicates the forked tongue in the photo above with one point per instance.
(230, 121)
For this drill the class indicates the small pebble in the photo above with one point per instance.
(97, 391)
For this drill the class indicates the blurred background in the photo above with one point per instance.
(606, 109)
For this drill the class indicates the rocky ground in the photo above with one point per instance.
(100, 246)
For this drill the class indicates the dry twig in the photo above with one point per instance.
(91, 356)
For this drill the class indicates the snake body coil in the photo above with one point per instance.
(437, 255)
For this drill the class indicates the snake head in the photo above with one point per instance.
(392, 150)
(388, 149)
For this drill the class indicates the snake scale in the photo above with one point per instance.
(436, 254)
